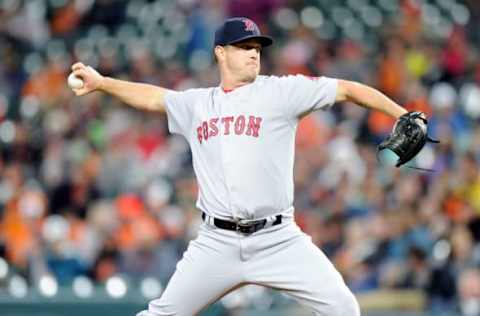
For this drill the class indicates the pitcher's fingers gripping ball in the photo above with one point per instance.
(75, 82)
(83, 79)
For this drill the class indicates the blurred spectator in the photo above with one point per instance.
(469, 292)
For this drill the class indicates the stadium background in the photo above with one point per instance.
(97, 200)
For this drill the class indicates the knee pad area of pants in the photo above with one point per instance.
(341, 302)
(345, 305)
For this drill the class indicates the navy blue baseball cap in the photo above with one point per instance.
(236, 30)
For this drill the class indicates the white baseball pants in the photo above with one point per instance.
(281, 257)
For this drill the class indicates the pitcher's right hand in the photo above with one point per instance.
(92, 79)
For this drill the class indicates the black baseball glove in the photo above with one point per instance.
(408, 137)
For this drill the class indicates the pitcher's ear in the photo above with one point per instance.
(219, 52)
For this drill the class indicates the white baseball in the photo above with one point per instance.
(74, 82)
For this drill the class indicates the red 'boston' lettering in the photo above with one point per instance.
(240, 125)
(205, 130)
(199, 134)
(213, 127)
(253, 126)
(226, 124)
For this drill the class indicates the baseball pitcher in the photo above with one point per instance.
(242, 137)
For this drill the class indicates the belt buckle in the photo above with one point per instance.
(246, 227)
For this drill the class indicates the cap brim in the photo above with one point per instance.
(263, 40)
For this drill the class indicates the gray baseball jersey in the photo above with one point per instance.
(243, 153)
(242, 141)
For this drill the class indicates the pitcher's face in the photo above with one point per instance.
(242, 60)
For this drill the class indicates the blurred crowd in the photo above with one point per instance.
(90, 187)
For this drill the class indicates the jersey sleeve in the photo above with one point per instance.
(179, 111)
(302, 94)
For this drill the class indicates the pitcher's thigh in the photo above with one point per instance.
(304, 272)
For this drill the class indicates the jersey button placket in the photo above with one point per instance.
(224, 150)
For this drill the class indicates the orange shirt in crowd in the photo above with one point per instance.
(18, 233)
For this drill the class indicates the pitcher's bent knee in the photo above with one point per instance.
(351, 305)
(342, 303)
(345, 305)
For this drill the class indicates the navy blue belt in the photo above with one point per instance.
(245, 228)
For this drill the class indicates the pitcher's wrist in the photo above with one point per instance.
(102, 83)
